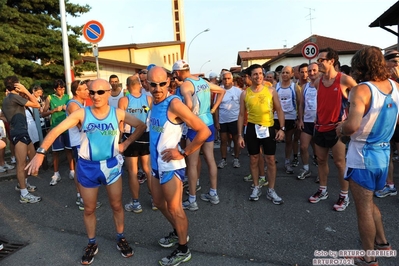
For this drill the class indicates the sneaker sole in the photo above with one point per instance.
(23, 201)
(89, 262)
(340, 209)
(316, 201)
(275, 202)
(386, 195)
(302, 178)
(123, 255)
(191, 209)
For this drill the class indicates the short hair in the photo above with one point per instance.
(252, 67)
(273, 73)
(59, 83)
(302, 66)
(346, 69)
(37, 88)
(331, 54)
(368, 64)
(112, 77)
(132, 80)
(279, 68)
(10, 81)
(74, 86)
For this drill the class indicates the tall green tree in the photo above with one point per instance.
(31, 40)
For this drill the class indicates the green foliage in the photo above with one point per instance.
(31, 41)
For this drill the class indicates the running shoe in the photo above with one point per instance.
(222, 164)
(342, 203)
(13, 161)
(1, 246)
(90, 251)
(255, 194)
(295, 162)
(386, 191)
(318, 196)
(71, 175)
(29, 198)
(191, 206)
(29, 187)
(197, 188)
(124, 248)
(175, 258)
(288, 169)
(7, 166)
(212, 199)
(2, 169)
(262, 183)
(248, 178)
(303, 174)
(133, 207)
(55, 179)
(236, 163)
(170, 240)
(315, 161)
(82, 206)
(272, 195)
(360, 261)
(386, 246)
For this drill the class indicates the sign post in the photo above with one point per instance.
(93, 31)
(310, 50)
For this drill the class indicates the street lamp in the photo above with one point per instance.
(188, 49)
(204, 65)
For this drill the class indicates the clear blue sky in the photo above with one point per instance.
(237, 24)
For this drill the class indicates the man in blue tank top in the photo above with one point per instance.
(167, 160)
(197, 96)
(100, 161)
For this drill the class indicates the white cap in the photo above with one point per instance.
(213, 75)
(180, 65)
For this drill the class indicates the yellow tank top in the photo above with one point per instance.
(260, 107)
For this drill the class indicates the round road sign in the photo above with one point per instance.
(93, 31)
(310, 50)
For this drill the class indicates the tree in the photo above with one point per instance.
(31, 40)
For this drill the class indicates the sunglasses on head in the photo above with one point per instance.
(83, 82)
(155, 84)
(99, 92)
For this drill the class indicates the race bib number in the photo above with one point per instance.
(262, 132)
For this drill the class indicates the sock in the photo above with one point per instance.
(183, 248)
(57, 173)
(78, 195)
(192, 198)
(92, 240)
(213, 192)
(306, 167)
(323, 188)
(287, 161)
(26, 180)
(344, 193)
(270, 190)
(135, 200)
(198, 182)
(24, 192)
(262, 177)
(224, 159)
(119, 236)
(72, 172)
(391, 185)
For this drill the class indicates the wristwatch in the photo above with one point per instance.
(282, 129)
(182, 152)
(41, 151)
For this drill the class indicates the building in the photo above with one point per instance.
(248, 57)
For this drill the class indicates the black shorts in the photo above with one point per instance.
(253, 143)
(140, 147)
(325, 139)
(24, 138)
(308, 128)
(230, 127)
(289, 124)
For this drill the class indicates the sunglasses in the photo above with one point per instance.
(99, 92)
(155, 84)
(83, 82)
(320, 60)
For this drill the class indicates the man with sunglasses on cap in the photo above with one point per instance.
(197, 96)
(167, 160)
(100, 161)
(55, 106)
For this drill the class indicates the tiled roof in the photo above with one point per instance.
(140, 45)
(342, 47)
(258, 54)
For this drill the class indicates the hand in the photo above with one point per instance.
(34, 165)
(280, 135)
(20, 88)
(171, 154)
(241, 142)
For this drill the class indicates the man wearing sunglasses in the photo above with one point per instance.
(55, 106)
(100, 161)
(167, 160)
(332, 97)
(197, 96)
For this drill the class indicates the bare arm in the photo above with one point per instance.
(359, 100)
(240, 121)
(187, 91)
(32, 102)
(134, 122)
(219, 97)
(280, 114)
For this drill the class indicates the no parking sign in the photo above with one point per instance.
(93, 31)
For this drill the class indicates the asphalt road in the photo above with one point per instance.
(234, 232)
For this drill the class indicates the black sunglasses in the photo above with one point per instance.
(99, 92)
(83, 82)
(155, 84)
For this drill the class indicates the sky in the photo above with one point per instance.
(236, 25)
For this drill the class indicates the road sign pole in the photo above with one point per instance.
(95, 54)
(65, 48)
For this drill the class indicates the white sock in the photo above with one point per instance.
(306, 167)
(24, 192)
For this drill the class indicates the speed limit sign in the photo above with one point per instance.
(310, 50)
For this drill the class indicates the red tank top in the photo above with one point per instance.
(330, 105)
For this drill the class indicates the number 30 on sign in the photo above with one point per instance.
(310, 50)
